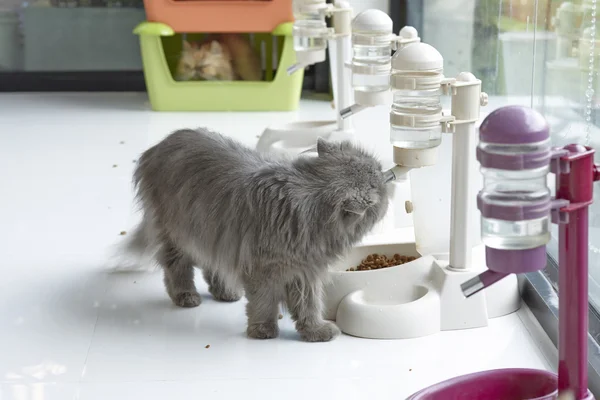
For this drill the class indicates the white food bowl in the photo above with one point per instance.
(388, 303)
(415, 299)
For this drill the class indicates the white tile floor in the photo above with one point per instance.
(69, 329)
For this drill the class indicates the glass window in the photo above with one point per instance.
(540, 53)
(70, 35)
(88, 45)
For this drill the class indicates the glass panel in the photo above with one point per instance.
(70, 35)
(569, 100)
(539, 53)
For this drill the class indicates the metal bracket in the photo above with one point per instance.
(446, 122)
(446, 84)
(449, 122)
(558, 212)
(558, 163)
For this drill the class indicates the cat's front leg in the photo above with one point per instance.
(305, 304)
(262, 308)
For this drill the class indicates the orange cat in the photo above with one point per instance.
(220, 57)
(207, 61)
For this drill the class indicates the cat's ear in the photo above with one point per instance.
(325, 147)
(215, 47)
(186, 46)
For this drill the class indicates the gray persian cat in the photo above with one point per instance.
(260, 225)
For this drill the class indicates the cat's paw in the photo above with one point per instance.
(321, 333)
(263, 331)
(187, 299)
(222, 294)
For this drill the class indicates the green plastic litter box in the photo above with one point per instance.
(161, 46)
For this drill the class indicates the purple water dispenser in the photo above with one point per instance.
(516, 211)
(515, 201)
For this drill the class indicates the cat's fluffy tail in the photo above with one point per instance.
(139, 242)
(138, 250)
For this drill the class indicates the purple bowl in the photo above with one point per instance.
(498, 384)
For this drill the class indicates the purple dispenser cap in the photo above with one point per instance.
(501, 263)
(516, 261)
(514, 125)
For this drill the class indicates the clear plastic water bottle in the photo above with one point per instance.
(416, 84)
(310, 31)
(371, 63)
(515, 200)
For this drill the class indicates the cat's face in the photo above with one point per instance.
(202, 62)
(356, 186)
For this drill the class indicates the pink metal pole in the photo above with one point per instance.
(574, 181)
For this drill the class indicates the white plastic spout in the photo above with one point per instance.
(466, 100)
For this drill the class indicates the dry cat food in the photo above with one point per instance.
(379, 261)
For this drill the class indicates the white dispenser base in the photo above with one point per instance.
(294, 137)
(415, 299)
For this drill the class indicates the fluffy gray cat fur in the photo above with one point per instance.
(262, 225)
